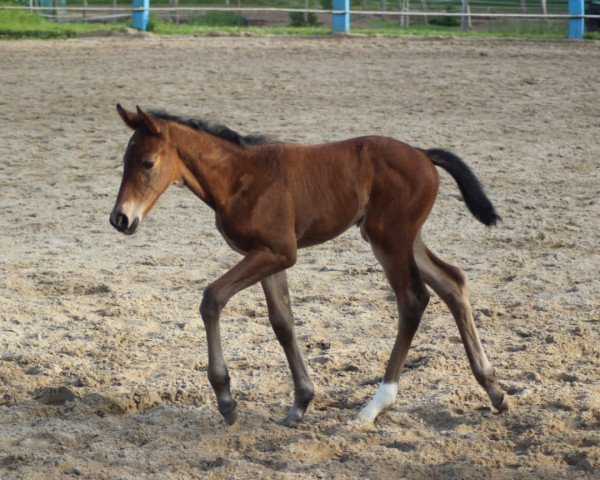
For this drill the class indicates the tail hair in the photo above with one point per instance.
(473, 194)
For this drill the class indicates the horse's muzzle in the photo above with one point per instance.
(121, 222)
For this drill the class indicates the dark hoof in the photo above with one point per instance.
(503, 406)
(293, 418)
(231, 417)
(229, 412)
(290, 421)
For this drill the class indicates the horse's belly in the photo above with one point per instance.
(328, 221)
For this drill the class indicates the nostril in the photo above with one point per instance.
(122, 222)
(119, 221)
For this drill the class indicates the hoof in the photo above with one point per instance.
(368, 415)
(290, 422)
(504, 405)
(292, 419)
(231, 417)
(361, 424)
(229, 412)
(365, 418)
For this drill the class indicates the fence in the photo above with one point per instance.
(340, 11)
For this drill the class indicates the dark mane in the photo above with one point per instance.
(216, 129)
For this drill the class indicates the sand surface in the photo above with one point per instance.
(103, 353)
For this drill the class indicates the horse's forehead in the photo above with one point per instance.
(141, 144)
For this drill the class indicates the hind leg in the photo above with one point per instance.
(412, 298)
(450, 284)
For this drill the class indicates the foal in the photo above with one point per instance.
(272, 198)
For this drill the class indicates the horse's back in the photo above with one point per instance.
(358, 165)
(333, 184)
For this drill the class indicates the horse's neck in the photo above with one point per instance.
(207, 164)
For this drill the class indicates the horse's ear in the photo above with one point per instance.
(147, 122)
(130, 118)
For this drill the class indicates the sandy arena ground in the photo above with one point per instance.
(103, 353)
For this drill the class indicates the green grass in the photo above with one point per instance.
(528, 29)
(516, 29)
(511, 28)
(24, 24)
(592, 36)
(162, 27)
(216, 19)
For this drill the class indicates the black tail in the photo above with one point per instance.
(470, 188)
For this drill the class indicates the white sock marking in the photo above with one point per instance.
(383, 398)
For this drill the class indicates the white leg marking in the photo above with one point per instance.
(383, 398)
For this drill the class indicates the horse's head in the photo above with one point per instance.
(150, 166)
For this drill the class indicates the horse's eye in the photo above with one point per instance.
(147, 165)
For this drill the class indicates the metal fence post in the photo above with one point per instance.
(576, 24)
(140, 18)
(341, 21)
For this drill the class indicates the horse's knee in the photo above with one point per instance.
(412, 307)
(211, 305)
(422, 298)
(417, 300)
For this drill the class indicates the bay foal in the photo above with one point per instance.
(272, 198)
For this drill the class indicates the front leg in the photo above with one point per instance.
(255, 266)
(282, 320)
